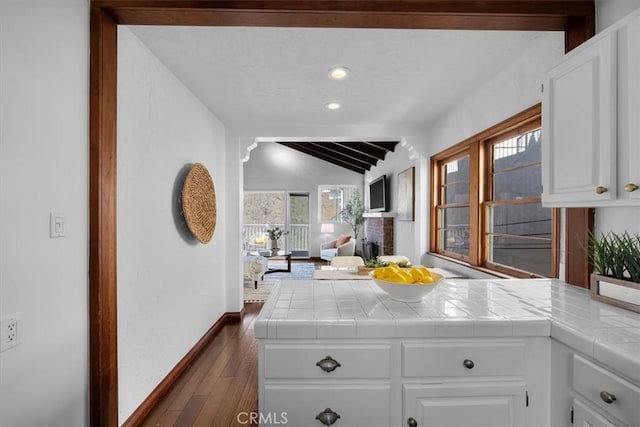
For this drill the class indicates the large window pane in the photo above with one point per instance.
(525, 254)
(516, 167)
(455, 181)
(525, 219)
(454, 236)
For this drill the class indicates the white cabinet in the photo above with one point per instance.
(591, 122)
(585, 416)
(431, 381)
(585, 393)
(479, 382)
(465, 404)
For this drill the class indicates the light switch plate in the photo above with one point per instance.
(56, 224)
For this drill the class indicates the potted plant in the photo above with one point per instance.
(274, 235)
(616, 262)
(352, 213)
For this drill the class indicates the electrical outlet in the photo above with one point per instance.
(9, 332)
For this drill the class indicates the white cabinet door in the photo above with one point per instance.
(629, 111)
(584, 416)
(579, 127)
(465, 404)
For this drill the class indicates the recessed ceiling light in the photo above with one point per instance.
(332, 106)
(338, 73)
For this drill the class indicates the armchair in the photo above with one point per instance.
(342, 246)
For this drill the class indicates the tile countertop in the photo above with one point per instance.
(342, 309)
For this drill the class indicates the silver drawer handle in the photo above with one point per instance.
(327, 417)
(328, 364)
(411, 422)
(468, 363)
(607, 397)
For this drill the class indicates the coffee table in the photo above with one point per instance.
(281, 255)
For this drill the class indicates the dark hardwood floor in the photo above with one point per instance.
(222, 383)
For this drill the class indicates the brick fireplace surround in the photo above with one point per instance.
(380, 231)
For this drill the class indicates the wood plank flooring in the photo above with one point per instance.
(222, 382)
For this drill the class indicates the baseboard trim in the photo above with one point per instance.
(140, 414)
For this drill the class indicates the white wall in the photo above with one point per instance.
(272, 166)
(43, 168)
(610, 11)
(405, 233)
(171, 290)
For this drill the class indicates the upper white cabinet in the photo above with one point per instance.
(591, 122)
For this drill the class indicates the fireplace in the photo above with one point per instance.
(379, 231)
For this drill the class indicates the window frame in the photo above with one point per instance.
(480, 152)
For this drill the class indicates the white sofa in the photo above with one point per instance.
(329, 250)
(254, 268)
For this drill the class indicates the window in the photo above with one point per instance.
(332, 200)
(486, 206)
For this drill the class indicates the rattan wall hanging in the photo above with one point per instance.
(199, 203)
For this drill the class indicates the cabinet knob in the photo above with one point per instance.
(631, 187)
(328, 364)
(468, 364)
(600, 189)
(327, 417)
(607, 397)
(411, 422)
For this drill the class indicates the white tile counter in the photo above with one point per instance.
(343, 309)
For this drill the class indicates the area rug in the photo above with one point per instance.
(299, 271)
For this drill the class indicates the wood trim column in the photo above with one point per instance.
(103, 366)
(578, 221)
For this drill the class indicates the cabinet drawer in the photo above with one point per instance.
(358, 405)
(591, 380)
(449, 359)
(300, 361)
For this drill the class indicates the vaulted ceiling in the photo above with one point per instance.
(357, 156)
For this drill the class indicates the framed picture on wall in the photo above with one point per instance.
(406, 198)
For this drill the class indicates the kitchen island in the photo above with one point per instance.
(481, 352)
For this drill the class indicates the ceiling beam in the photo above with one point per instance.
(539, 15)
(311, 152)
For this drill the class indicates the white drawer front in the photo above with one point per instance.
(591, 380)
(450, 359)
(358, 405)
(299, 361)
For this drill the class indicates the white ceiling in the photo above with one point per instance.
(251, 76)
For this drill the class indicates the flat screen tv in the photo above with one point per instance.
(378, 194)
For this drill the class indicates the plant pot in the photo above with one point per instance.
(618, 292)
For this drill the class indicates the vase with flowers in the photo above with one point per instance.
(274, 235)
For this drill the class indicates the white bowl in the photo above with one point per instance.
(404, 292)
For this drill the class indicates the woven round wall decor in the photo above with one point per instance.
(199, 203)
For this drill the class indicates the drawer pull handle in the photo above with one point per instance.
(327, 417)
(601, 190)
(328, 364)
(631, 187)
(411, 422)
(607, 397)
(468, 364)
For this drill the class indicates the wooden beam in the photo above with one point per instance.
(362, 147)
(338, 154)
(103, 326)
(303, 148)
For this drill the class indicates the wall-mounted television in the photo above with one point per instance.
(378, 194)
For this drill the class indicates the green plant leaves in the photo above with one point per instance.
(616, 255)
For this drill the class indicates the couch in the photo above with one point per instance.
(254, 268)
(342, 246)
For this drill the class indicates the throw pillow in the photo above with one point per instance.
(342, 239)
